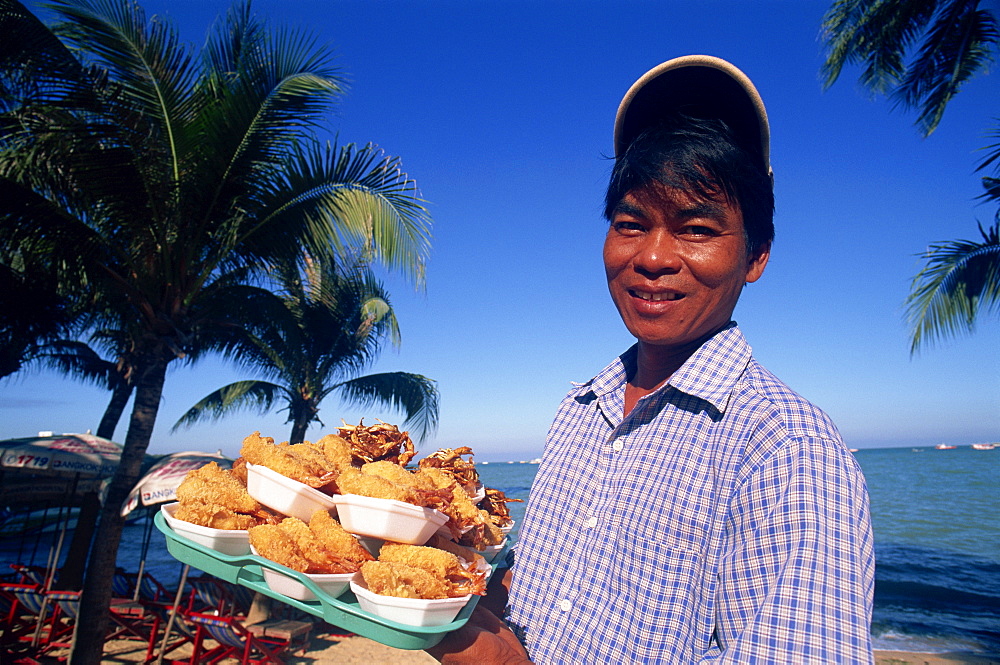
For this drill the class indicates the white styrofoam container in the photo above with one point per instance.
(227, 541)
(285, 495)
(410, 611)
(388, 519)
(333, 584)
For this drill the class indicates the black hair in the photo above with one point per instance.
(701, 155)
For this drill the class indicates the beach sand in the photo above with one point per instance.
(330, 647)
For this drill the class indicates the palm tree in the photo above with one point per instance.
(960, 280)
(948, 43)
(920, 53)
(79, 360)
(165, 187)
(326, 328)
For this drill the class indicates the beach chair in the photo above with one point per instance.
(30, 620)
(130, 620)
(235, 640)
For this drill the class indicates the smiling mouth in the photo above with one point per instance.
(655, 297)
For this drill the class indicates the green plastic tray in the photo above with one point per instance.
(342, 611)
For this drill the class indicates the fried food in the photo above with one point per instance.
(402, 581)
(352, 481)
(322, 560)
(471, 556)
(272, 542)
(211, 484)
(332, 535)
(337, 451)
(214, 516)
(495, 504)
(300, 461)
(381, 441)
(450, 461)
(439, 563)
(465, 520)
(302, 547)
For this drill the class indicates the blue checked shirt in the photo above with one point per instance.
(722, 521)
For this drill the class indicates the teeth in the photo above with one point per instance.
(656, 297)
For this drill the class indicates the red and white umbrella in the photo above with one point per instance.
(160, 483)
(62, 454)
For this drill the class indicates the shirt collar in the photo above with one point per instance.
(709, 374)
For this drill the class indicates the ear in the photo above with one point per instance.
(757, 262)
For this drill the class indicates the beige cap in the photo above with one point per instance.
(702, 86)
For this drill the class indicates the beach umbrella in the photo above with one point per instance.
(159, 484)
(61, 455)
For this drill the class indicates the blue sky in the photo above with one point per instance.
(503, 113)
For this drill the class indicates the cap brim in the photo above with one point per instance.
(700, 86)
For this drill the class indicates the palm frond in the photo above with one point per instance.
(959, 282)
(347, 198)
(412, 394)
(238, 395)
(955, 48)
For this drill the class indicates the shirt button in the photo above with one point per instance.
(590, 523)
(618, 445)
(565, 605)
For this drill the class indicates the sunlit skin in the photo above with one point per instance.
(676, 264)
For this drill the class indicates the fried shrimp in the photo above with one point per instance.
(214, 516)
(332, 535)
(352, 481)
(299, 461)
(402, 581)
(321, 559)
(272, 542)
(211, 484)
(439, 563)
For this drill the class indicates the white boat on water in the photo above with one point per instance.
(985, 446)
(944, 446)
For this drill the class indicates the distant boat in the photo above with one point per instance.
(853, 450)
(942, 446)
(917, 450)
(985, 446)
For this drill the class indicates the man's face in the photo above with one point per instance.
(676, 264)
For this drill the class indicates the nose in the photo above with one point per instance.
(657, 254)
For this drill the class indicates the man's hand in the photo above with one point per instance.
(483, 639)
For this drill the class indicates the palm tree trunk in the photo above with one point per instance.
(96, 598)
(298, 431)
(116, 407)
(71, 574)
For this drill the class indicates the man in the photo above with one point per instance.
(689, 506)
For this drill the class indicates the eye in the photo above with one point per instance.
(627, 227)
(699, 230)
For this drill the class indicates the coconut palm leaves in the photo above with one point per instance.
(159, 187)
(323, 329)
(918, 52)
(960, 279)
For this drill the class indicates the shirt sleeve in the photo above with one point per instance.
(796, 581)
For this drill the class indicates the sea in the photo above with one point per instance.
(936, 517)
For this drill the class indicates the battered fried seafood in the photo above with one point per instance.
(302, 547)
(381, 441)
(271, 542)
(211, 484)
(495, 504)
(216, 498)
(303, 462)
(332, 535)
(465, 520)
(378, 480)
(402, 581)
(439, 563)
(450, 461)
